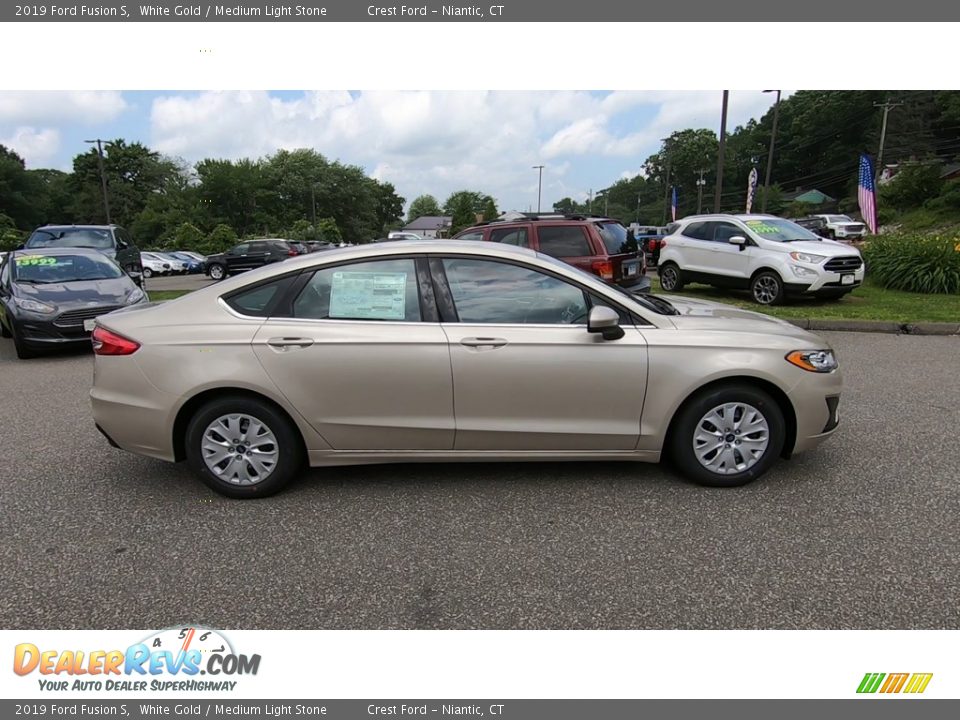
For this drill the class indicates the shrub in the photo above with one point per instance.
(915, 263)
(221, 238)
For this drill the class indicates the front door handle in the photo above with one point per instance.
(483, 342)
(286, 342)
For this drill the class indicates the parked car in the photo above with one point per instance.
(816, 225)
(842, 227)
(50, 297)
(248, 255)
(400, 235)
(317, 245)
(193, 262)
(596, 245)
(111, 240)
(772, 257)
(356, 356)
(171, 265)
(153, 264)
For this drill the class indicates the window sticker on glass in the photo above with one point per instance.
(368, 295)
(35, 260)
(759, 226)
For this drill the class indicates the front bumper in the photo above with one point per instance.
(826, 281)
(816, 401)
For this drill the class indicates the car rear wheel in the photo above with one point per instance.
(243, 447)
(727, 436)
(671, 278)
(216, 272)
(767, 288)
(147, 272)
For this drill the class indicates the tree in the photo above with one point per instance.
(10, 237)
(490, 210)
(914, 184)
(423, 206)
(221, 238)
(461, 207)
(187, 237)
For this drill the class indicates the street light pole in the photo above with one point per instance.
(723, 143)
(700, 183)
(887, 107)
(773, 139)
(103, 176)
(539, 169)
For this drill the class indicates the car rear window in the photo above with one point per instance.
(616, 239)
(563, 241)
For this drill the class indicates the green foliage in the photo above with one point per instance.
(10, 237)
(912, 186)
(221, 238)
(464, 206)
(490, 210)
(915, 263)
(947, 200)
(423, 206)
(186, 237)
(328, 231)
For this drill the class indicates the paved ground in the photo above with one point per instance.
(861, 533)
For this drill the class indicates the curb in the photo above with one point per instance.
(877, 326)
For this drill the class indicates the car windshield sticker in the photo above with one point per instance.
(759, 226)
(34, 260)
(368, 295)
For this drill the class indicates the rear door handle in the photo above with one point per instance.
(483, 342)
(287, 342)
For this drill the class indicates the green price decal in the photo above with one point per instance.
(35, 260)
(758, 226)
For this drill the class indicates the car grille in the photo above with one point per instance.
(853, 228)
(848, 263)
(73, 318)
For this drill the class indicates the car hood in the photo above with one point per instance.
(700, 315)
(830, 248)
(84, 293)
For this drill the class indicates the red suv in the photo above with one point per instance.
(597, 245)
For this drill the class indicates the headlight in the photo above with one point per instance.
(807, 257)
(135, 296)
(801, 271)
(820, 361)
(34, 306)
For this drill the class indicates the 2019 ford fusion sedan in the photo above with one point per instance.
(453, 351)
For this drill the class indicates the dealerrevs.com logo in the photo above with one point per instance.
(909, 683)
(171, 659)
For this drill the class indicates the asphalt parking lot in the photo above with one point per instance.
(860, 533)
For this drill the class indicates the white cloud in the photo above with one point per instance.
(36, 147)
(59, 108)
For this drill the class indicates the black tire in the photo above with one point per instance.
(147, 273)
(671, 277)
(289, 446)
(217, 271)
(685, 425)
(24, 351)
(766, 288)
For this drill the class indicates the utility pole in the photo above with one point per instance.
(539, 168)
(887, 107)
(590, 212)
(638, 208)
(666, 190)
(700, 183)
(720, 150)
(103, 175)
(773, 139)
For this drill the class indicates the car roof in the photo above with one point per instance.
(727, 216)
(78, 227)
(59, 251)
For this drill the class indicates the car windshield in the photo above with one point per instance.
(779, 230)
(40, 269)
(99, 239)
(616, 239)
(839, 218)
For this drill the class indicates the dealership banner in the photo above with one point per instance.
(537, 11)
(439, 673)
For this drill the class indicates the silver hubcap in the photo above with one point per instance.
(731, 438)
(240, 449)
(216, 272)
(766, 289)
(669, 279)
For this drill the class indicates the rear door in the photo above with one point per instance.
(526, 373)
(363, 358)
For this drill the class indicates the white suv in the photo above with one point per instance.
(770, 256)
(842, 227)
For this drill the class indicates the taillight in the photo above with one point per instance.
(291, 252)
(603, 268)
(663, 244)
(109, 343)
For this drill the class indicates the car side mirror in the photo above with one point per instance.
(738, 240)
(605, 321)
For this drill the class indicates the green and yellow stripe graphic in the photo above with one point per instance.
(894, 682)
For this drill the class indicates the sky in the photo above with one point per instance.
(424, 142)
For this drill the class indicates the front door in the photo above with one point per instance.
(526, 373)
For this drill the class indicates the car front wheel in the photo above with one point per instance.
(727, 436)
(243, 447)
(216, 272)
(767, 288)
(147, 272)
(671, 279)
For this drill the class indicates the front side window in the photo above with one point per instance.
(723, 231)
(510, 236)
(239, 249)
(383, 290)
(563, 241)
(485, 291)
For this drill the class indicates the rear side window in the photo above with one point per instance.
(258, 301)
(616, 239)
(698, 231)
(563, 241)
(510, 236)
(474, 236)
(378, 290)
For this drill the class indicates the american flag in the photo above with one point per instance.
(867, 194)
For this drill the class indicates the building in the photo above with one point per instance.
(432, 226)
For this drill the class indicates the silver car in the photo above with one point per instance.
(453, 351)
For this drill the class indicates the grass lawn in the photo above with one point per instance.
(161, 295)
(868, 302)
